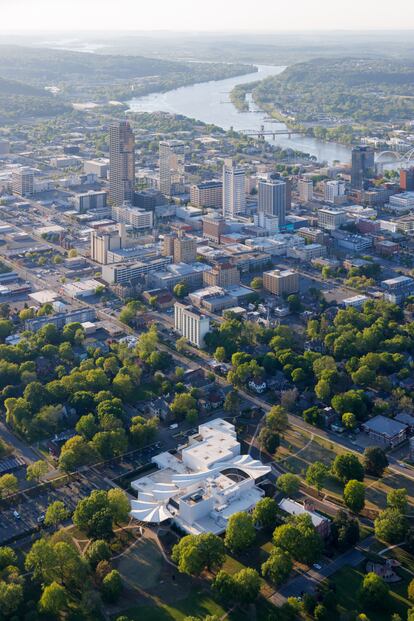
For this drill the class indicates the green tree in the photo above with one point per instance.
(268, 440)
(277, 419)
(375, 461)
(36, 470)
(316, 475)
(300, 539)
(232, 402)
(257, 283)
(265, 513)
(346, 467)
(98, 551)
(87, 426)
(194, 553)
(7, 557)
(277, 567)
(398, 499)
(183, 405)
(112, 586)
(349, 421)
(374, 592)
(288, 484)
(354, 495)
(147, 343)
(54, 599)
(118, 505)
(391, 526)
(344, 531)
(8, 485)
(56, 513)
(220, 354)
(180, 290)
(240, 532)
(247, 585)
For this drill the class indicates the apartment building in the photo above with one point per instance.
(207, 194)
(281, 282)
(191, 324)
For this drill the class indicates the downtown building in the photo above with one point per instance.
(234, 195)
(23, 181)
(208, 194)
(271, 199)
(362, 167)
(171, 154)
(121, 163)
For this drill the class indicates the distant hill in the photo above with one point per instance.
(11, 87)
(41, 65)
(22, 101)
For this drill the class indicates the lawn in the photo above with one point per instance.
(199, 603)
(348, 582)
(141, 566)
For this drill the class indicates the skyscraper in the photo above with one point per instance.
(171, 163)
(363, 164)
(272, 198)
(122, 163)
(234, 196)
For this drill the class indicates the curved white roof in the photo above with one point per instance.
(149, 511)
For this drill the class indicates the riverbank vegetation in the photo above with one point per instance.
(335, 91)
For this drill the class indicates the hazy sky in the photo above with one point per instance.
(267, 15)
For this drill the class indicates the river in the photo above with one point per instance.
(209, 102)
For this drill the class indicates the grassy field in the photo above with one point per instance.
(348, 581)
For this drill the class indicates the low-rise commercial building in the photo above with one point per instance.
(397, 289)
(330, 218)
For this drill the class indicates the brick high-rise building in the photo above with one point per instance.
(185, 249)
(281, 282)
(222, 275)
(214, 226)
(407, 179)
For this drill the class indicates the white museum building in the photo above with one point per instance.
(201, 485)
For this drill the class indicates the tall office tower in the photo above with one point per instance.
(22, 181)
(234, 196)
(171, 163)
(407, 179)
(305, 189)
(363, 165)
(121, 163)
(271, 198)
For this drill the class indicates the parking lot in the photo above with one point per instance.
(26, 516)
